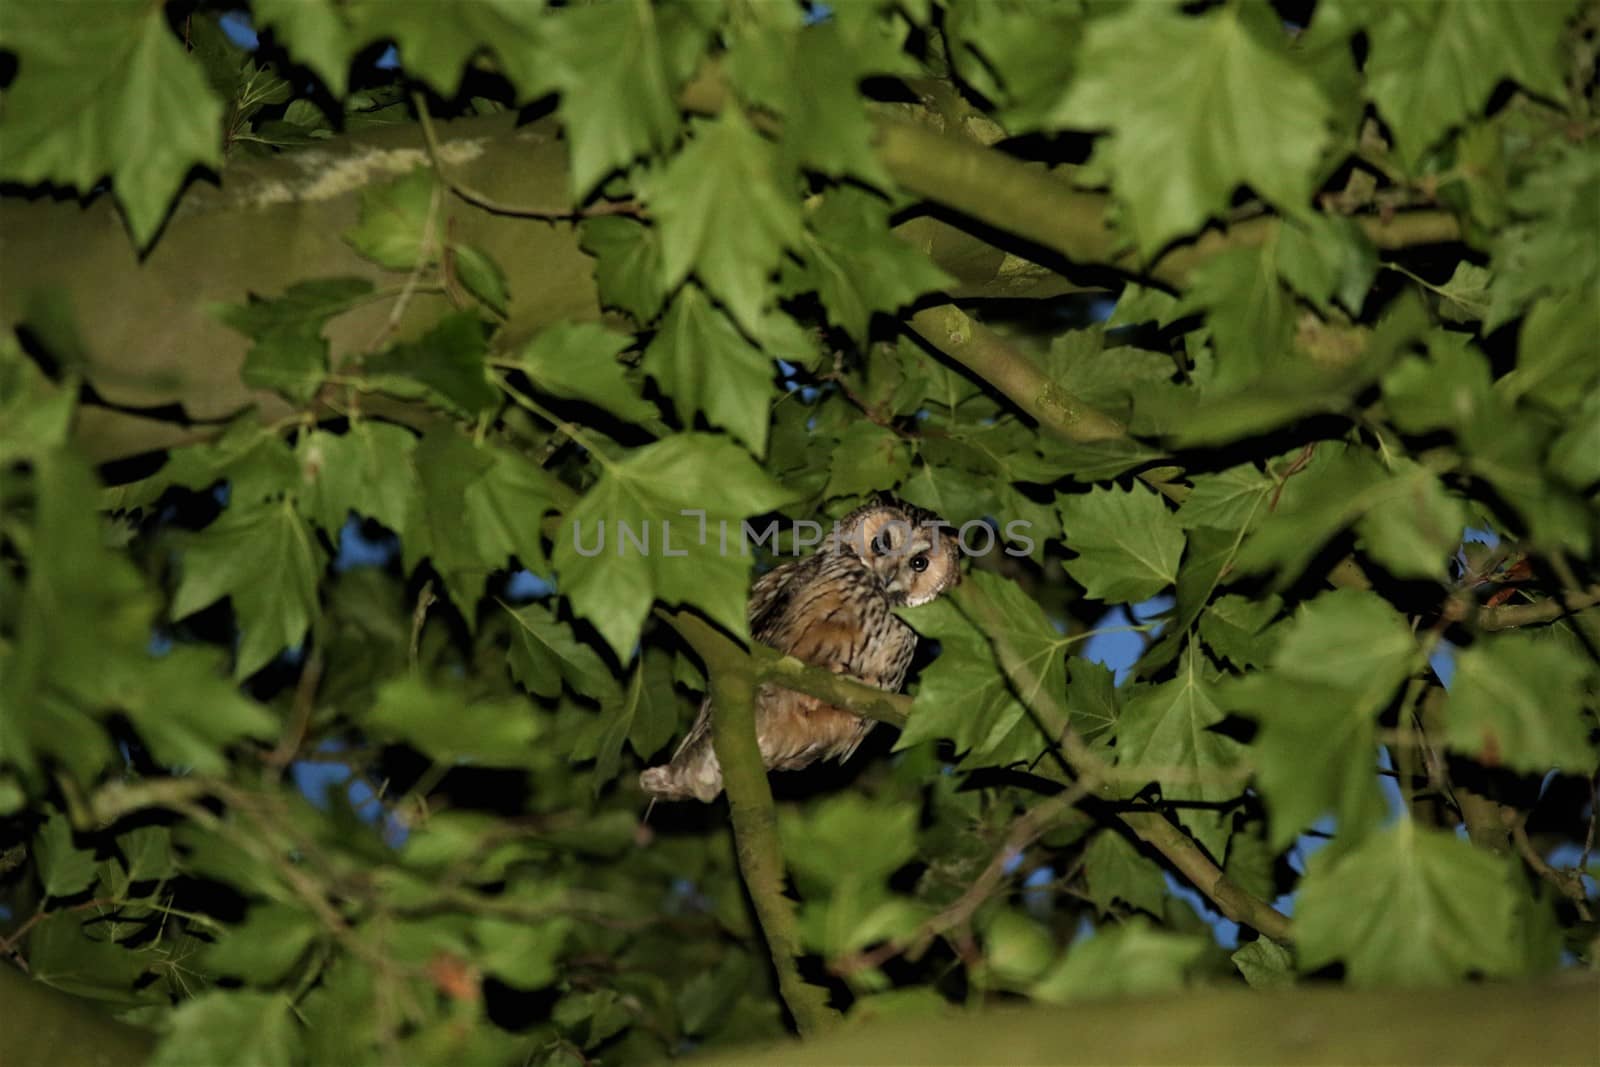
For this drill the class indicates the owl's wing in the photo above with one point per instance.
(770, 598)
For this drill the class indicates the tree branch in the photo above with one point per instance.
(1491, 1022)
(993, 359)
(1150, 827)
(755, 822)
(1510, 616)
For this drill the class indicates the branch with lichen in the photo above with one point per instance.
(733, 681)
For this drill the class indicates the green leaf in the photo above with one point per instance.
(1236, 628)
(847, 836)
(868, 457)
(482, 276)
(1248, 311)
(1575, 455)
(184, 707)
(522, 954)
(1265, 964)
(504, 509)
(1197, 106)
(1408, 906)
(705, 365)
(64, 868)
(230, 1026)
(1232, 499)
(1166, 728)
(1413, 525)
(1517, 700)
(314, 35)
(1017, 947)
(578, 361)
(646, 717)
(1433, 64)
(964, 695)
(368, 469)
(1114, 870)
(1349, 639)
(618, 68)
(446, 726)
(727, 171)
(399, 228)
(1134, 959)
(435, 43)
(858, 266)
(290, 355)
(612, 585)
(545, 652)
(264, 560)
(123, 100)
(1554, 252)
(1325, 257)
(627, 265)
(1556, 364)
(1018, 56)
(266, 946)
(1128, 543)
(809, 75)
(1336, 666)
(447, 365)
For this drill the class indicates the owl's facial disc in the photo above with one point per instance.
(913, 556)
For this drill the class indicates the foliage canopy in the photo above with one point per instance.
(320, 715)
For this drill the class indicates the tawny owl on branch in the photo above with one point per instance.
(832, 610)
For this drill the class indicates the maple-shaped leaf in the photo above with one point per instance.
(1231, 499)
(314, 34)
(618, 68)
(1434, 63)
(1132, 959)
(857, 265)
(702, 361)
(265, 560)
(628, 542)
(447, 365)
(1517, 700)
(1409, 906)
(399, 228)
(1166, 727)
(868, 457)
(1113, 870)
(726, 172)
(809, 75)
(1197, 105)
(545, 653)
(627, 266)
(435, 44)
(964, 694)
(1336, 666)
(645, 717)
(578, 361)
(368, 470)
(1128, 543)
(290, 355)
(447, 725)
(122, 100)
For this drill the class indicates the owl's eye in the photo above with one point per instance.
(919, 564)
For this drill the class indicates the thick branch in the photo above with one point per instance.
(755, 821)
(1488, 1023)
(46, 1026)
(1008, 194)
(992, 358)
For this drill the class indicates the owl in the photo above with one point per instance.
(831, 609)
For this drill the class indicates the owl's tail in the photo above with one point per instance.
(693, 773)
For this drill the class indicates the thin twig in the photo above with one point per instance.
(500, 207)
(1568, 883)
